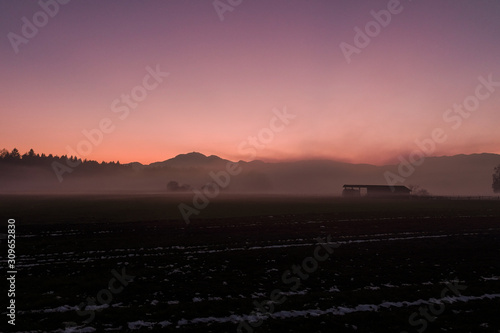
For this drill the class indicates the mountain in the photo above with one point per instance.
(191, 160)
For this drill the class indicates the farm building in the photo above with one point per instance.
(375, 191)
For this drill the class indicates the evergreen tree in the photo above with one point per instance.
(496, 180)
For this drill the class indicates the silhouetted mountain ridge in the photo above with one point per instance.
(193, 159)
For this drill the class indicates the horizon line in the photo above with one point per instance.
(264, 160)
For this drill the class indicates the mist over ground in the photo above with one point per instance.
(460, 175)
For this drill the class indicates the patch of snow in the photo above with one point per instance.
(135, 325)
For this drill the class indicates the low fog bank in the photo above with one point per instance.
(463, 175)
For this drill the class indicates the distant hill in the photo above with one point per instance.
(191, 160)
(445, 175)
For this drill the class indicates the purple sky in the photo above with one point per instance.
(226, 78)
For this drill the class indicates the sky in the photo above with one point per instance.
(273, 80)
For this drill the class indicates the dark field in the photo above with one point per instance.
(130, 263)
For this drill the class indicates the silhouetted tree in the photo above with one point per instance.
(210, 187)
(174, 186)
(29, 157)
(496, 180)
(418, 191)
(4, 153)
(14, 154)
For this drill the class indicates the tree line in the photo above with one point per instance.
(31, 158)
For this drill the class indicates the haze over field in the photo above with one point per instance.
(138, 81)
(454, 175)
